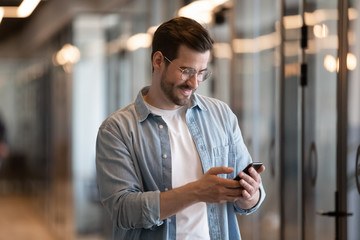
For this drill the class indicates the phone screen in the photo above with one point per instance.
(255, 165)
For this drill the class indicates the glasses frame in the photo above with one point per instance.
(191, 72)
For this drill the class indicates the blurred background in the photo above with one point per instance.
(287, 68)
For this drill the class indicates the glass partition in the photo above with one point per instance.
(353, 123)
(255, 99)
(319, 99)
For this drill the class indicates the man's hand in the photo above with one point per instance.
(209, 188)
(250, 184)
(213, 189)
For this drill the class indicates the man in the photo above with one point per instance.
(166, 162)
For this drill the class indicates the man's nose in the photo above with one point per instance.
(193, 82)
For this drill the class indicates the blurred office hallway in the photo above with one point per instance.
(288, 69)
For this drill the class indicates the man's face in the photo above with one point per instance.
(176, 90)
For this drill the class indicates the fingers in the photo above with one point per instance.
(255, 174)
(261, 169)
(222, 190)
(217, 189)
(226, 194)
(219, 170)
(251, 183)
(249, 189)
(214, 189)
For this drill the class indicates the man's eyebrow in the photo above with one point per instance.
(184, 67)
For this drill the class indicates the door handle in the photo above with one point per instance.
(357, 169)
(313, 162)
(334, 214)
(272, 157)
(337, 214)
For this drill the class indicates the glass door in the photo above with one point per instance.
(353, 124)
(330, 123)
(255, 99)
(318, 118)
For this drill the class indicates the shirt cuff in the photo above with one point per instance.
(151, 209)
(253, 209)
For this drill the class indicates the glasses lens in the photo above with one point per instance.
(202, 76)
(188, 73)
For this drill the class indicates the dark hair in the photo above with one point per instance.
(180, 31)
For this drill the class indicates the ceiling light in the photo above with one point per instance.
(1, 14)
(201, 10)
(68, 54)
(321, 31)
(330, 63)
(351, 62)
(27, 7)
(222, 50)
(23, 10)
(253, 45)
(140, 40)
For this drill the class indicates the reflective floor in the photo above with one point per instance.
(18, 220)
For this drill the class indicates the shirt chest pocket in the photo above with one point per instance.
(224, 156)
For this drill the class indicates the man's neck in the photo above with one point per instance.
(158, 100)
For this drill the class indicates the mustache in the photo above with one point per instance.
(185, 86)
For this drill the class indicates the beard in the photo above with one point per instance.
(170, 91)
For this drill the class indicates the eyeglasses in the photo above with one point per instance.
(188, 72)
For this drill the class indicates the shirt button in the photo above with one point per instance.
(164, 156)
(169, 220)
(166, 189)
(161, 126)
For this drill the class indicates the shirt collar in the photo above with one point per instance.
(143, 111)
(195, 102)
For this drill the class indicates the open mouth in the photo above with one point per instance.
(186, 92)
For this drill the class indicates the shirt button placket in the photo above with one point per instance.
(165, 148)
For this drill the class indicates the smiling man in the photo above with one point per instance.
(166, 162)
(175, 86)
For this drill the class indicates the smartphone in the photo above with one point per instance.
(255, 165)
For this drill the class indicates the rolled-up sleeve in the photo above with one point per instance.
(253, 209)
(120, 188)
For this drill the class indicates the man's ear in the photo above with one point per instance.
(157, 60)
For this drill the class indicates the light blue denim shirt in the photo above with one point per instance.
(133, 162)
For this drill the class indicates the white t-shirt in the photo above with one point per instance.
(192, 222)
